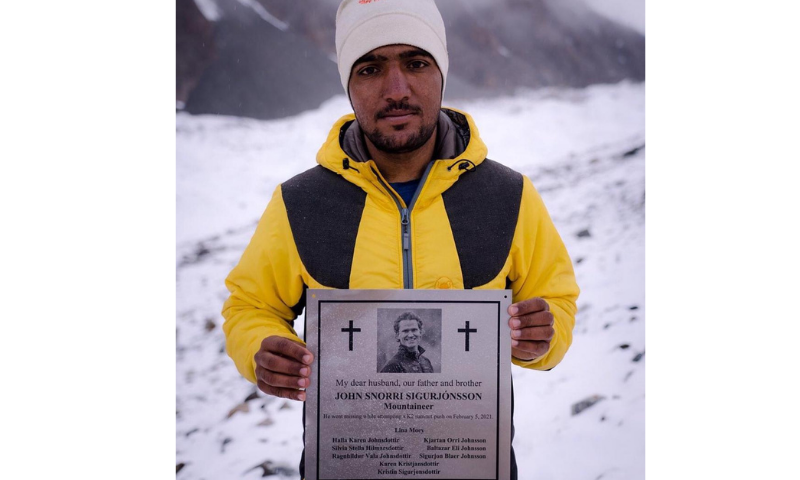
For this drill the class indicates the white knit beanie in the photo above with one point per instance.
(364, 25)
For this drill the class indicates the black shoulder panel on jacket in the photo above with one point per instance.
(483, 206)
(324, 212)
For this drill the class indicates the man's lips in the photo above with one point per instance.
(397, 114)
(398, 118)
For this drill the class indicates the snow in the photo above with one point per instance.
(209, 9)
(583, 149)
(263, 13)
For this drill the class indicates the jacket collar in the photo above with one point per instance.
(406, 352)
(359, 170)
(450, 142)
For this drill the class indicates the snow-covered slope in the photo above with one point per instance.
(584, 151)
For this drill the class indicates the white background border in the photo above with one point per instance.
(87, 192)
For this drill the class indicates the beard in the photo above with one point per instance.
(392, 144)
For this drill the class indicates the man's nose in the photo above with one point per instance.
(396, 86)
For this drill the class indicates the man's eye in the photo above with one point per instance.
(417, 64)
(367, 71)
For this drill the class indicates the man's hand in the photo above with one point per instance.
(531, 328)
(283, 368)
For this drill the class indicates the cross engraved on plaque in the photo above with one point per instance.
(350, 330)
(466, 331)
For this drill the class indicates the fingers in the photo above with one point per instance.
(538, 319)
(531, 329)
(529, 343)
(287, 348)
(287, 393)
(275, 363)
(283, 368)
(531, 305)
(536, 327)
(280, 385)
(542, 334)
(280, 380)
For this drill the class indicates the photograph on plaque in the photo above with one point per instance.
(409, 340)
(447, 417)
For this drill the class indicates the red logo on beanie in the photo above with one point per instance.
(367, 1)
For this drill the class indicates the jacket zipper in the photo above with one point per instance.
(405, 224)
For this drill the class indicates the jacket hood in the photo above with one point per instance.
(458, 141)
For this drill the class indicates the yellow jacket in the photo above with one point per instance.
(473, 224)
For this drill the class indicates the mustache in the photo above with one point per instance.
(398, 107)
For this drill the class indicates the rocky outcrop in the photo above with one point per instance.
(262, 70)
(194, 50)
(540, 43)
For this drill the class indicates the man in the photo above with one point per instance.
(403, 197)
(409, 357)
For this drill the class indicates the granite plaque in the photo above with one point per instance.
(408, 384)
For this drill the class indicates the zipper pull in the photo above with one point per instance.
(404, 222)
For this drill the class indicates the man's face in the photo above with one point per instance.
(396, 93)
(409, 333)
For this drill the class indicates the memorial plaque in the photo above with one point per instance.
(408, 384)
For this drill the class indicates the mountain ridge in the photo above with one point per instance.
(272, 58)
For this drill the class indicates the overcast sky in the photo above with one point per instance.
(627, 12)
